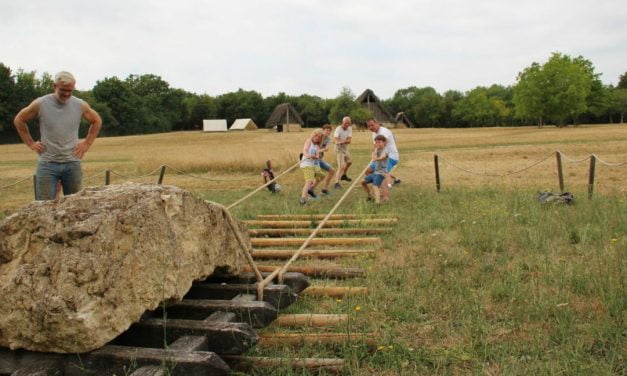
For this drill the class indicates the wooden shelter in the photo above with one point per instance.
(285, 119)
(402, 121)
(371, 102)
(243, 125)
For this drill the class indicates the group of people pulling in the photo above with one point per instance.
(378, 180)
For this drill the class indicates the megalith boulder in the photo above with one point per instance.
(77, 272)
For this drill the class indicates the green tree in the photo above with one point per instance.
(312, 110)
(558, 90)
(450, 100)
(200, 107)
(126, 107)
(344, 105)
(622, 81)
(620, 102)
(241, 104)
(7, 105)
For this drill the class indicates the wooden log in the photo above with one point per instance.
(311, 217)
(299, 339)
(311, 253)
(50, 369)
(309, 320)
(248, 363)
(317, 271)
(280, 296)
(335, 291)
(226, 337)
(329, 223)
(256, 313)
(13, 361)
(322, 232)
(190, 343)
(292, 242)
(111, 359)
(150, 371)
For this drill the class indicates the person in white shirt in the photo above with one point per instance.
(342, 138)
(390, 146)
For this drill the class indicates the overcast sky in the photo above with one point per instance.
(310, 46)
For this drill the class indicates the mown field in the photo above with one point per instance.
(477, 279)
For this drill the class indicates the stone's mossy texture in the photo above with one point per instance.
(77, 272)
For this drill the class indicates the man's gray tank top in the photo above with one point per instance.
(59, 123)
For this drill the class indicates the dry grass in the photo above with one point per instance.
(233, 160)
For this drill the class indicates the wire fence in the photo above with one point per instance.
(593, 158)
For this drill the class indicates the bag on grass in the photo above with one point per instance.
(561, 198)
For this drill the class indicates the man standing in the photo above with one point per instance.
(342, 138)
(390, 146)
(60, 151)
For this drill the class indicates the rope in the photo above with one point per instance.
(496, 175)
(15, 183)
(573, 160)
(261, 187)
(609, 164)
(281, 271)
(201, 178)
(94, 175)
(134, 177)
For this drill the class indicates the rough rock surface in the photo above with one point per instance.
(77, 272)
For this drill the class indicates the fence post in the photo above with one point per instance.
(437, 172)
(35, 186)
(161, 175)
(593, 160)
(107, 177)
(560, 172)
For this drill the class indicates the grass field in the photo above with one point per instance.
(477, 279)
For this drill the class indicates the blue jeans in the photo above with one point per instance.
(49, 174)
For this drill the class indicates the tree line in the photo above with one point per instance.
(562, 90)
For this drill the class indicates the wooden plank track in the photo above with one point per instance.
(311, 217)
(321, 232)
(311, 253)
(292, 242)
(316, 271)
(329, 223)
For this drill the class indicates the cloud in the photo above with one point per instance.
(310, 46)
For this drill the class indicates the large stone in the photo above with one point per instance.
(77, 272)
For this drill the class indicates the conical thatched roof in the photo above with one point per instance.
(284, 113)
(371, 102)
(402, 118)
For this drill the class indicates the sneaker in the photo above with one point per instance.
(344, 177)
(325, 192)
(397, 181)
(337, 186)
(312, 193)
(303, 201)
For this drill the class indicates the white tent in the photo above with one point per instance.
(243, 125)
(215, 125)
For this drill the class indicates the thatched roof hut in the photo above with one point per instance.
(285, 118)
(371, 102)
(402, 121)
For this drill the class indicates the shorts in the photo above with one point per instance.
(390, 166)
(312, 172)
(375, 179)
(342, 159)
(324, 165)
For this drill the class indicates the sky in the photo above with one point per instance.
(312, 47)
